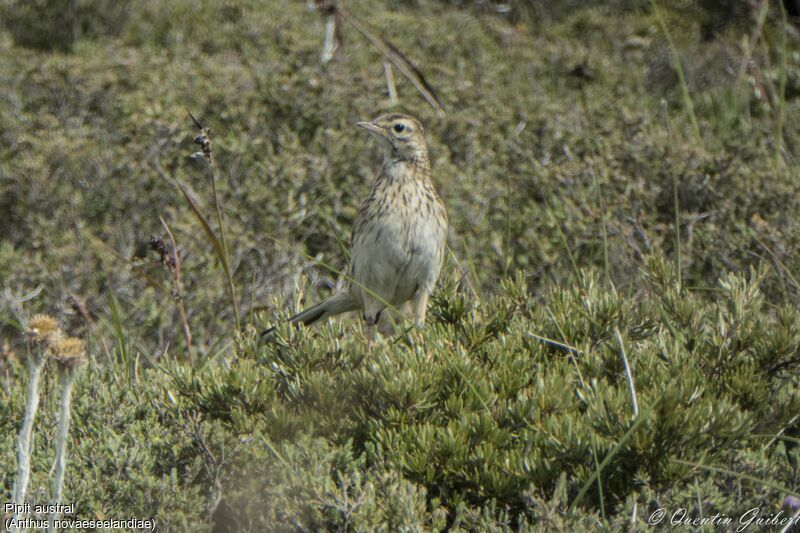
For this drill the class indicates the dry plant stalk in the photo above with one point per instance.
(333, 34)
(220, 244)
(70, 356)
(172, 262)
(42, 332)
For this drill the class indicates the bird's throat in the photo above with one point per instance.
(407, 169)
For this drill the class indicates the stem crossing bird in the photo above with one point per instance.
(398, 238)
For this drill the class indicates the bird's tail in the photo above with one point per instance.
(336, 304)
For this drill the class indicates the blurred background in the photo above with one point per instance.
(566, 127)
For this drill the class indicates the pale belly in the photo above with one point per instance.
(395, 256)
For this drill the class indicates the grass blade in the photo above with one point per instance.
(212, 237)
(589, 482)
(676, 60)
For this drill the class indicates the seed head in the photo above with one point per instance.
(69, 353)
(203, 139)
(43, 330)
(158, 245)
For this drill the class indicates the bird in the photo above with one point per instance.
(399, 234)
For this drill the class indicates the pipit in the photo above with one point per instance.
(398, 238)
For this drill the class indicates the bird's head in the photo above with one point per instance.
(402, 135)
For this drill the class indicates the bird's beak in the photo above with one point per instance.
(372, 128)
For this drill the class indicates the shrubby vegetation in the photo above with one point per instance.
(607, 208)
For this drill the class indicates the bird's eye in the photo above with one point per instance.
(399, 128)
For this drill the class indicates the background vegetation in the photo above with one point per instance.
(621, 181)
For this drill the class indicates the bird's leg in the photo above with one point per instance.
(371, 319)
(419, 306)
(369, 339)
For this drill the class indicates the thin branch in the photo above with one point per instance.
(396, 58)
(175, 270)
(331, 42)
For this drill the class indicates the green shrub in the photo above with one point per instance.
(484, 418)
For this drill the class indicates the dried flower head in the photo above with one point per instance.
(43, 330)
(69, 353)
(158, 245)
(203, 139)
